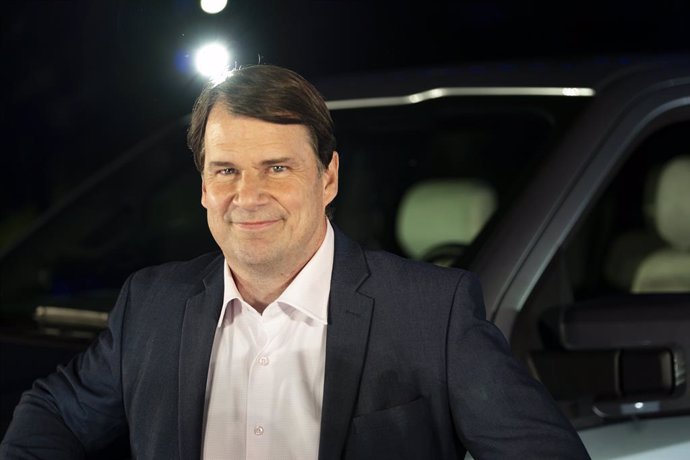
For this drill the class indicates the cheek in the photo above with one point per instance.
(217, 197)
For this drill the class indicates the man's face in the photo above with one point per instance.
(264, 194)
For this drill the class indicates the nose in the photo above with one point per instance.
(250, 191)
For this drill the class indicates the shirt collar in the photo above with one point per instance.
(309, 290)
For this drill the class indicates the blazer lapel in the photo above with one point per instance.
(196, 342)
(346, 342)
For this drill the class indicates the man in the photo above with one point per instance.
(295, 342)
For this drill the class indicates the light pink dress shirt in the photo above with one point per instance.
(265, 382)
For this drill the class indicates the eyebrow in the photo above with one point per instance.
(269, 162)
(277, 161)
(216, 164)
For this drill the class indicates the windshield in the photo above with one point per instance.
(421, 180)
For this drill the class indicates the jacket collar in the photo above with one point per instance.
(349, 317)
(198, 330)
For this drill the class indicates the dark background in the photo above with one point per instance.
(83, 80)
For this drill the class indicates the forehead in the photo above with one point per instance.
(226, 129)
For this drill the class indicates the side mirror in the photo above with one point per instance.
(624, 355)
(608, 374)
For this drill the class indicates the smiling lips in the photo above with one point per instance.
(255, 225)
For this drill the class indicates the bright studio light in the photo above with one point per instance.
(212, 61)
(213, 6)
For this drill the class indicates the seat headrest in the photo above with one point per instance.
(443, 211)
(672, 202)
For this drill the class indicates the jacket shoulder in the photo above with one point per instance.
(189, 272)
(387, 269)
(401, 266)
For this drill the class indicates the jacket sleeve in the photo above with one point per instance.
(498, 409)
(78, 409)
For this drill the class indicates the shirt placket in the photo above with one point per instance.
(259, 430)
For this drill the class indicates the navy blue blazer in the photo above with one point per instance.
(413, 371)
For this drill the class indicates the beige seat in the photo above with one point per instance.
(628, 249)
(443, 213)
(667, 269)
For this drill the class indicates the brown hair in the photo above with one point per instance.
(269, 93)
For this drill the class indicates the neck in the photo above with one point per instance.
(260, 289)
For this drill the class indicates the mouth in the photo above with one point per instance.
(255, 226)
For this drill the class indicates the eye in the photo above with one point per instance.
(227, 171)
(278, 168)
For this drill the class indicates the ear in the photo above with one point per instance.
(330, 180)
(203, 192)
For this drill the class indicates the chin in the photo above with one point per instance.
(256, 257)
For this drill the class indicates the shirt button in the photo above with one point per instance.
(258, 430)
(263, 360)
